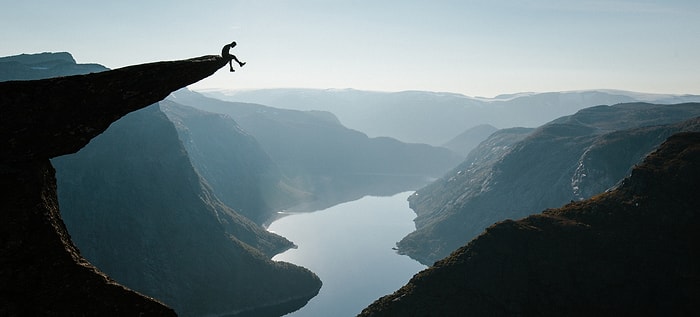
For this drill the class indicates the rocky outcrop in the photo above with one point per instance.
(631, 251)
(41, 271)
(50, 117)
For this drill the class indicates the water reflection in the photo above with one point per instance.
(350, 246)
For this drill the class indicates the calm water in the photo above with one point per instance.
(349, 246)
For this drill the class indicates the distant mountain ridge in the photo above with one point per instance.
(233, 163)
(322, 157)
(466, 141)
(515, 173)
(436, 117)
(43, 65)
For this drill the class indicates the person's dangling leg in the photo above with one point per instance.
(237, 61)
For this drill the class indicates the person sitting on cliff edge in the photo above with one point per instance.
(230, 57)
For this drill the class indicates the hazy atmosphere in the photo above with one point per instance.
(477, 48)
(353, 158)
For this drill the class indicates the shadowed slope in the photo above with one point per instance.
(137, 209)
(41, 272)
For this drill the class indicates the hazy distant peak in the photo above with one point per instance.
(434, 117)
(43, 65)
(506, 97)
(29, 59)
(642, 96)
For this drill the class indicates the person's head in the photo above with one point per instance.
(233, 44)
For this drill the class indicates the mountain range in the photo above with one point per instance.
(169, 199)
(517, 172)
(630, 251)
(436, 117)
(233, 163)
(43, 65)
(320, 156)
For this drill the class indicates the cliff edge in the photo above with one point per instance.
(631, 251)
(41, 272)
(41, 119)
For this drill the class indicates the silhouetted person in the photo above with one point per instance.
(230, 57)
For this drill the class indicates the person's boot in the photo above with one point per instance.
(241, 63)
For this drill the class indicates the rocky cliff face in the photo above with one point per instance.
(41, 271)
(571, 158)
(631, 251)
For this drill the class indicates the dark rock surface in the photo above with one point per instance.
(46, 118)
(41, 271)
(630, 251)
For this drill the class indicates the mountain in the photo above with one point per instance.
(232, 162)
(138, 210)
(321, 156)
(42, 273)
(571, 158)
(43, 65)
(466, 141)
(630, 251)
(436, 117)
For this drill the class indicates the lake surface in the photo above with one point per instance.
(349, 246)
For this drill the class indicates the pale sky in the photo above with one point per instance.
(477, 48)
